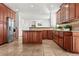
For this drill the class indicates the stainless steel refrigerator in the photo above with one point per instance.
(10, 29)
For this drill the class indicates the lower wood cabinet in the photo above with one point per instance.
(50, 34)
(68, 41)
(47, 34)
(44, 32)
(76, 42)
(60, 39)
(32, 37)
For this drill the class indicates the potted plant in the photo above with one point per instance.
(68, 27)
(59, 27)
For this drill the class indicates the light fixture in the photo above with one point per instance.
(17, 9)
(32, 6)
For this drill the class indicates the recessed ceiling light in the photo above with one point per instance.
(17, 9)
(32, 6)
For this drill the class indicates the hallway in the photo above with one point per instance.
(48, 48)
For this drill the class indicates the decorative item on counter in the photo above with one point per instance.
(39, 24)
(33, 25)
(59, 27)
(68, 27)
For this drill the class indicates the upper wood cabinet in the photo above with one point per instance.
(1, 13)
(58, 16)
(72, 11)
(68, 12)
(63, 13)
(77, 10)
(5, 14)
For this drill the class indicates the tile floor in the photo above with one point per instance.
(47, 48)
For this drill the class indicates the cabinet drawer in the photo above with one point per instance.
(67, 33)
(76, 34)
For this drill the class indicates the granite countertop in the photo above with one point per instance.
(52, 29)
(32, 30)
(68, 31)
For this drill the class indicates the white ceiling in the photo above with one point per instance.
(34, 10)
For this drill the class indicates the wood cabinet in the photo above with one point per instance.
(68, 12)
(63, 13)
(32, 37)
(58, 16)
(72, 11)
(77, 10)
(50, 35)
(68, 41)
(64, 39)
(55, 36)
(1, 13)
(5, 32)
(4, 13)
(45, 32)
(76, 42)
(1, 33)
(60, 39)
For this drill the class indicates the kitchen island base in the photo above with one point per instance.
(32, 37)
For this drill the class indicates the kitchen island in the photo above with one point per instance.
(32, 36)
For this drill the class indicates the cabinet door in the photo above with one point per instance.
(68, 43)
(1, 33)
(62, 14)
(5, 32)
(5, 14)
(1, 13)
(58, 16)
(75, 44)
(44, 34)
(72, 11)
(27, 37)
(77, 10)
(30, 37)
(49, 35)
(37, 37)
(66, 12)
(60, 41)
